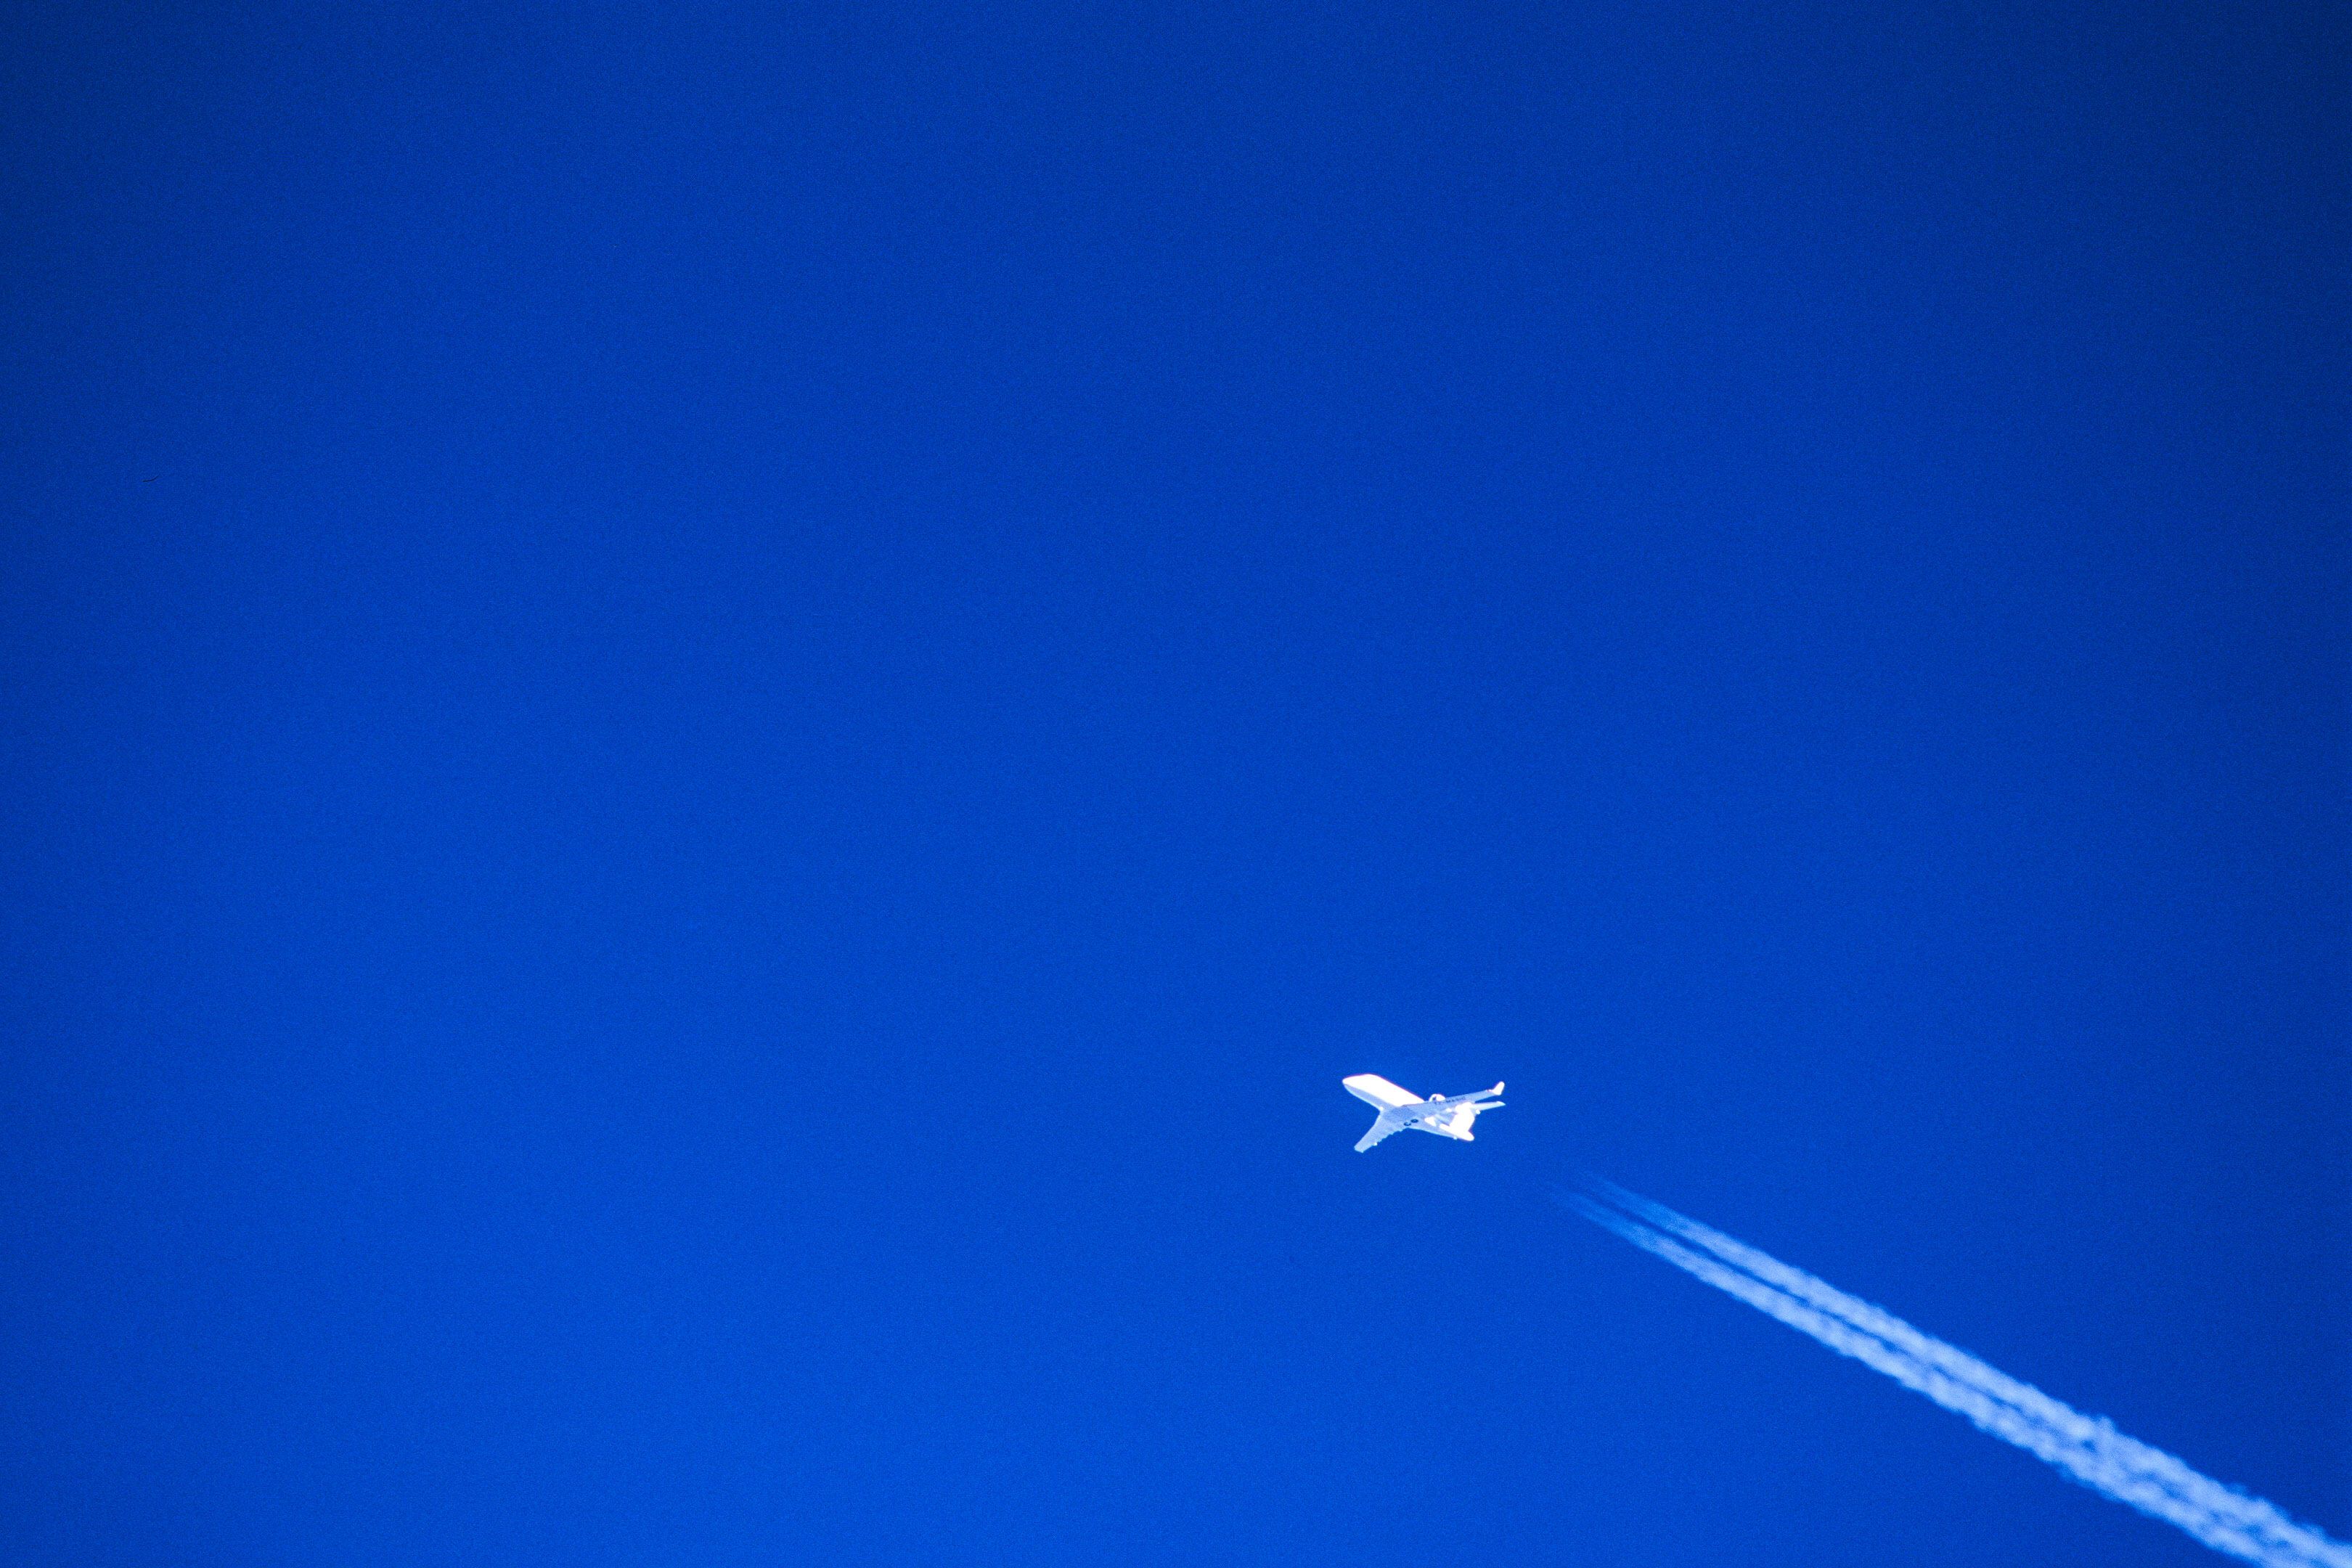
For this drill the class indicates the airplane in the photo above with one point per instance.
(1448, 1116)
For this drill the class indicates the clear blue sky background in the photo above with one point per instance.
(717, 724)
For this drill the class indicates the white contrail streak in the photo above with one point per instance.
(2087, 1449)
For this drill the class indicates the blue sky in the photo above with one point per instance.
(720, 722)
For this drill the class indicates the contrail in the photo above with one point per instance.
(2087, 1449)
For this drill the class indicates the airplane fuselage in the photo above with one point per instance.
(1430, 1113)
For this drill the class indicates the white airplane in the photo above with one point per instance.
(1447, 1116)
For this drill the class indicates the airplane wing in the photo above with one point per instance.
(1380, 1128)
